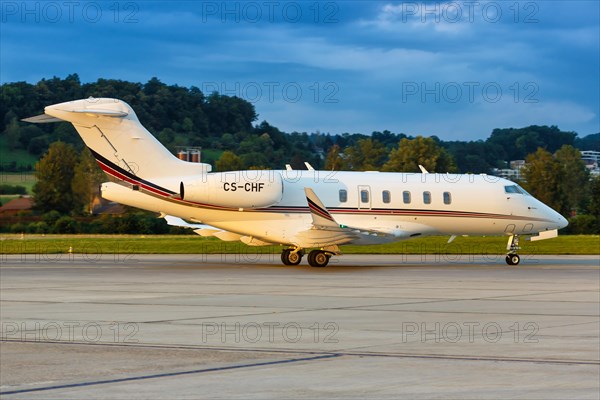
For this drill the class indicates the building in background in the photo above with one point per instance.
(513, 173)
(591, 159)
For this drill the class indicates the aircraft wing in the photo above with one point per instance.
(208, 230)
(176, 221)
(322, 219)
(326, 231)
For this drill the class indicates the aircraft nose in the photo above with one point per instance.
(562, 221)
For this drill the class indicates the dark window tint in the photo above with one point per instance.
(427, 197)
(386, 196)
(364, 196)
(447, 198)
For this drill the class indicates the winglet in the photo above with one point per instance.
(423, 170)
(320, 214)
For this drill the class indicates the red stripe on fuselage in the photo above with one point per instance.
(118, 175)
(424, 213)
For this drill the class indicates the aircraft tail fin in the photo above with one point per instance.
(121, 145)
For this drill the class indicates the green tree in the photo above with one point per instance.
(589, 142)
(229, 161)
(229, 114)
(542, 174)
(12, 134)
(54, 173)
(334, 160)
(517, 143)
(594, 206)
(574, 178)
(424, 151)
(86, 180)
(365, 155)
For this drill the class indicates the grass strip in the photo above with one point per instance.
(193, 244)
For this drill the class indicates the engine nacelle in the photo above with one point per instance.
(237, 189)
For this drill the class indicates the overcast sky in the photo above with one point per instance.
(452, 69)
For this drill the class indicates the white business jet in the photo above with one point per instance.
(299, 209)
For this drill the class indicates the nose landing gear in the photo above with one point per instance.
(512, 258)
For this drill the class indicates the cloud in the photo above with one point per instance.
(370, 52)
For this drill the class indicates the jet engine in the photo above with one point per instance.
(236, 189)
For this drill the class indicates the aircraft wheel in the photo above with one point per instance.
(318, 258)
(294, 258)
(513, 259)
(285, 255)
(290, 258)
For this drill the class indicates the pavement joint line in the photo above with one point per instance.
(478, 312)
(575, 324)
(332, 353)
(292, 311)
(441, 300)
(169, 374)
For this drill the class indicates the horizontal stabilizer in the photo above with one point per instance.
(41, 119)
(45, 118)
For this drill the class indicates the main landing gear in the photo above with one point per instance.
(292, 256)
(316, 258)
(512, 258)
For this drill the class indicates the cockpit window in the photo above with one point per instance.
(523, 191)
(515, 189)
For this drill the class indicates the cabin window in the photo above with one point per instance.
(406, 197)
(343, 196)
(386, 196)
(364, 196)
(427, 197)
(447, 198)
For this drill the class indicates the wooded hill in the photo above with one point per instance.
(180, 116)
